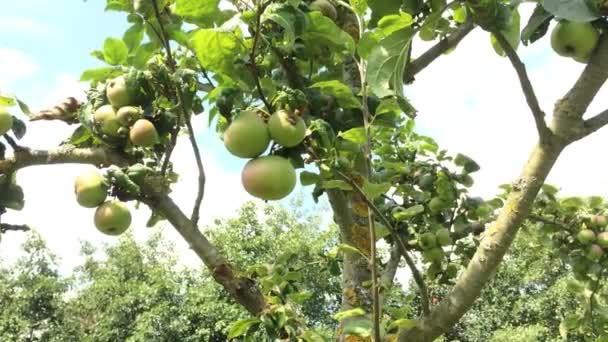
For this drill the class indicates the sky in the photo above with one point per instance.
(469, 101)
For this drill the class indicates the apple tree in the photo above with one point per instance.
(318, 86)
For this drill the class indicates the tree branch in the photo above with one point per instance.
(4, 227)
(390, 270)
(596, 122)
(186, 115)
(253, 66)
(544, 133)
(64, 155)
(566, 126)
(243, 289)
(437, 50)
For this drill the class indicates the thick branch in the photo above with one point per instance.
(437, 50)
(64, 155)
(544, 132)
(4, 227)
(391, 267)
(243, 289)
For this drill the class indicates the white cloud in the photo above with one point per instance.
(15, 65)
(30, 28)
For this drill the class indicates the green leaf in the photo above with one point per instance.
(340, 91)
(511, 34)
(572, 202)
(292, 20)
(359, 6)
(240, 327)
(356, 135)
(537, 26)
(80, 135)
(133, 36)
(299, 297)
(405, 324)
(143, 53)
(312, 336)
(358, 327)
(118, 5)
(197, 10)
(100, 74)
(336, 184)
(115, 51)
(572, 10)
(349, 313)
(25, 109)
(386, 64)
(309, 178)
(373, 190)
(18, 128)
(217, 50)
(395, 22)
(6, 101)
(402, 215)
(345, 248)
(367, 42)
(323, 31)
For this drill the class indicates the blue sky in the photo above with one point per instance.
(469, 101)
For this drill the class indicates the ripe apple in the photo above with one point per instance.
(595, 252)
(127, 115)
(576, 40)
(585, 236)
(6, 121)
(107, 121)
(112, 218)
(324, 7)
(443, 237)
(117, 92)
(599, 221)
(247, 136)
(90, 188)
(602, 239)
(286, 128)
(269, 177)
(143, 133)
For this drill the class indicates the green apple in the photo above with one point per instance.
(325, 7)
(107, 121)
(6, 121)
(576, 40)
(127, 115)
(286, 128)
(143, 133)
(247, 136)
(585, 236)
(443, 237)
(436, 205)
(90, 188)
(117, 92)
(112, 218)
(433, 255)
(427, 240)
(269, 177)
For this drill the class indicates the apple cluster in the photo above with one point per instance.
(123, 117)
(587, 247)
(248, 136)
(575, 40)
(111, 217)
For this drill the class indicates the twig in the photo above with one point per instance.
(544, 132)
(197, 155)
(595, 122)
(253, 65)
(13, 143)
(437, 50)
(4, 227)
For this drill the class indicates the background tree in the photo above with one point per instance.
(271, 67)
